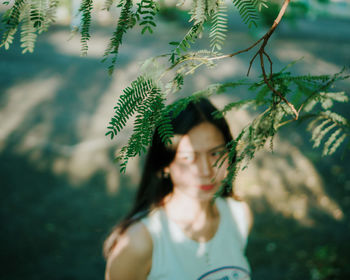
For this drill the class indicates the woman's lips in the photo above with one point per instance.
(207, 187)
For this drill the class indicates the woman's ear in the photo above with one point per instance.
(166, 172)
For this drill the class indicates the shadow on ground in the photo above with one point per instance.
(61, 192)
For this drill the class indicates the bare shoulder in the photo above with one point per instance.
(134, 246)
(249, 215)
(247, 211)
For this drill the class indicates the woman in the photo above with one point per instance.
(175, 231)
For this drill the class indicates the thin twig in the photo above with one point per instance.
(261, 52)
(251, 63)
(268, 57)
(273, 89)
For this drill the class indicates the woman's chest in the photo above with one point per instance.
(200, 231)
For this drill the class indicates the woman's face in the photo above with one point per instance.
(192, 171)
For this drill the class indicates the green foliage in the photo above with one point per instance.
(199, 11)
(42, 16)
(124, 23)
(32, 17)
(248, 10)
(325, 125)
(49, 18)
(129, 102)
(280, 98)
(37, 13)
(185, 43)
(85, 9)
(219, 27)
(11, 19)
(28, 33)
(332, 124)
(145, 99)
(146, 11)
(323, 265)
(253, 137)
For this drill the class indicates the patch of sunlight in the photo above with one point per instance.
(284, 180)
(92, 153)
(68, 44)
(65, 43)
(228, 68)
(19, 105)
(311, 64)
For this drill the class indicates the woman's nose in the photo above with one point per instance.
(204, 166)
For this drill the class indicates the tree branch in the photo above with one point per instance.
(261, 52)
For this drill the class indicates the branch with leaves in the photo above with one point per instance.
(280, 97)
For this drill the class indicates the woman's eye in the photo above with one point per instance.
(187, 158)
(217, 153)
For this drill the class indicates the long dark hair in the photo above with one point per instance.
(154, 186)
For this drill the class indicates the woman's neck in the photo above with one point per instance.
(187, 210)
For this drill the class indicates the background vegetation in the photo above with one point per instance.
(61, 191)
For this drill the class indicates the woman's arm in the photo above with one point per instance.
(131, 259)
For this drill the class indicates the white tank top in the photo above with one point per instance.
(177, 257)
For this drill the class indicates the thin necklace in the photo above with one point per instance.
(205, 251)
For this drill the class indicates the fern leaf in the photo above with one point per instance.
(335, 146)
(328, 121)
(219, 27)
(175, 84)
(38, 12)
(85, 8)
(258, 132)
(319, 137)
(50, 14)
(212, 6)
(198, 11)
(129, 103)
(146, 11)
(230, 106)
(8, 38)
(331, 140)
(222, 88)
(259, 4)
(165, 129)
(327, 98)
(336, 118)
(11, 20)
(28, 34)
(189, 38)
(122, 26)
(151, 114)
(247, 11)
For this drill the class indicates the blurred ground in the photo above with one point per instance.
(61, 191)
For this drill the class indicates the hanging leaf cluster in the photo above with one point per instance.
(31, 18)
(280, 97)
(315, 106)
(145, 100)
